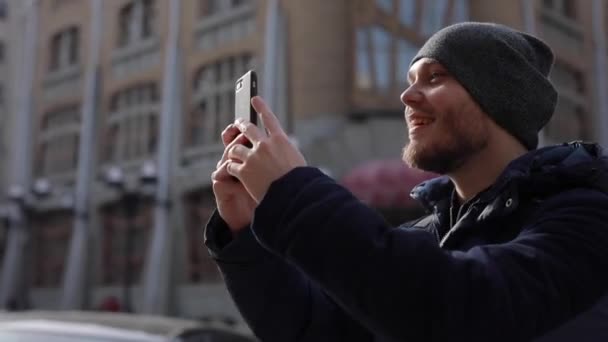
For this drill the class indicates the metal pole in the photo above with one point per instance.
(157, 277)
(281, 102)
(75, 277)
(130, 201)
(529, 15)
(271, 46)
(13, 283)
(601, 87)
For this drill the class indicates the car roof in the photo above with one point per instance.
(155, 325)
(83, 330)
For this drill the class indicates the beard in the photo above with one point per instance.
(450, 147)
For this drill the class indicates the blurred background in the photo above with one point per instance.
(111, 113)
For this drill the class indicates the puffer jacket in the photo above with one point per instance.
(526, 258)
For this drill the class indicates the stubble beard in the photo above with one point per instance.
(443, 155)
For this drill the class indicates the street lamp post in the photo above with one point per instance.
(19, 214)
(130, 198)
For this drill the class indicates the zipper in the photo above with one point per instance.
(452, 230)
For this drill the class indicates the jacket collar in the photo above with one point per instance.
(535, 173)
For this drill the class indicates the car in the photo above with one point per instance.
(85, 326)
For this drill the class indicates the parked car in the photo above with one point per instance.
(90, 326)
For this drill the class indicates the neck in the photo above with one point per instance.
(481, 170)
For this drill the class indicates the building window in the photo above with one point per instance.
(132, 130)
(566, 8)
(406, 51)
(64, 49)
(567, 78)
(208, 7)
(363, 74)
(223, 22)
(124, 242)
(407, 12)
(374, 59)
(211, 7)
(384, 51)
(3, 235)
(569, 122)
(136, 21)
(51, 238)
(199, 207)
(385, 5)
(3, 9)
(59, 141)
(213, 107)
(238, 3)
(433, 14)
(382, 41)
(60, 3)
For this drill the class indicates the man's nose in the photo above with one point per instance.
(411, 96)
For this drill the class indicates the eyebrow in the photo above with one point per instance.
(425, 63)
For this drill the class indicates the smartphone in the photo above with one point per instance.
(245, 89)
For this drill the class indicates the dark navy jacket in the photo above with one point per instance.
(528, 256)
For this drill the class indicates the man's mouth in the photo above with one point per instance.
(414, 122)
(418, 123)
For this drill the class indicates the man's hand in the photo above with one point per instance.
(269, 158)
(234, 203)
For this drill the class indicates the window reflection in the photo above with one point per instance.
(407, 12)
(382, 57)
(386, 5)
(213, 107)
(406, 51)
(364, 72)
(383, 51)
(461, 11)
(432, 14)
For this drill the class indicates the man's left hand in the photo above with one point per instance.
(268, 159)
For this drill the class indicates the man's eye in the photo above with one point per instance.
(435, 76)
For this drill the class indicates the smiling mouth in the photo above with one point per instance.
(419, 123)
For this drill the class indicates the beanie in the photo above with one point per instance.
(505, 71)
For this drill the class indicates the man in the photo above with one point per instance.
(515, 245)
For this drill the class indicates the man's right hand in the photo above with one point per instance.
(234, 203)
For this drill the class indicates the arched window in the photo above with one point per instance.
(213, 105)
(64, 48)
(124, 242)
(383, 51)
(136, 21)
(51, 239)
(132, 123)
(59, 141)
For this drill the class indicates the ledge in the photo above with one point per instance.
(211, 22)
(64, 75)
(134, 50)
(562, 23)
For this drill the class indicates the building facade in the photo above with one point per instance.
(3, 114)
(139, 90)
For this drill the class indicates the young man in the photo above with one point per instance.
(515, 245)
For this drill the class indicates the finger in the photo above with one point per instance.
(221, 173)
(241, 139)
(224, 188)
(251, 131)
(239, 152)
(270, 121)
(229, 134)
(234, 168)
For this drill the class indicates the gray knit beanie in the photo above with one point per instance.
(505, 71)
